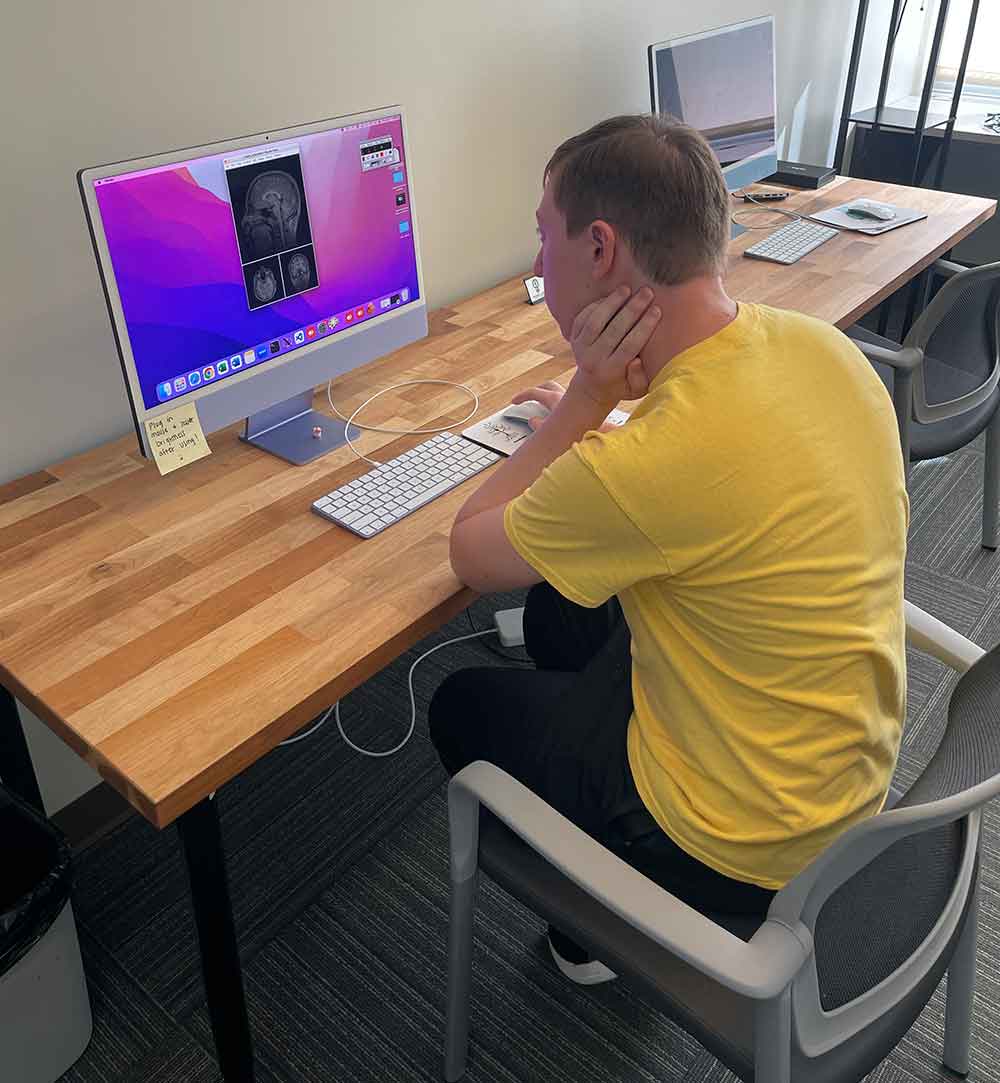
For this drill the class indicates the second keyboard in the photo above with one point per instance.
(790, 243)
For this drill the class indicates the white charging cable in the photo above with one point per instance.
(349, 421)
(335, 709)
(764, 207)
(775, 210)
(309, 732)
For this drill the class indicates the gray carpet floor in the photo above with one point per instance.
(338, 873)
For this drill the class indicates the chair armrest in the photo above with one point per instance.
(928, 634)
(906, 358)
(760, 969)
(946, 268)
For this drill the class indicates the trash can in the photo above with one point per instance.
(45, 1021)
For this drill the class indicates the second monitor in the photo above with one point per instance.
(722, 83)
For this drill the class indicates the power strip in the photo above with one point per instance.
(510, 626)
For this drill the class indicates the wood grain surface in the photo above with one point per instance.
(174, 629)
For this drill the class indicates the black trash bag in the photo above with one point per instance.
(36, 864)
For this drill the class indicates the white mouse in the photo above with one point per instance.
(524, 411)
(869, 208)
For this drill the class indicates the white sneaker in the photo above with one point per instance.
(591, 972)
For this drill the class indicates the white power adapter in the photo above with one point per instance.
(510, 626)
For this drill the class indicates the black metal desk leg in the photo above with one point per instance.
(883, 316)
(220, 960)
(17, 772)
(916, 299)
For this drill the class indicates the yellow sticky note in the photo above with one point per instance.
(176, 438)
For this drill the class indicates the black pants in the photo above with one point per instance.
(561, 730)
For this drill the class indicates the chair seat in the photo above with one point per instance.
(943, 382)
(720, 1020)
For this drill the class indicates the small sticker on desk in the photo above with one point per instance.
(535, 288)
(176, 438)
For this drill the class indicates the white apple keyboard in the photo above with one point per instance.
(790, 243)
(400, 486)
(383, 496)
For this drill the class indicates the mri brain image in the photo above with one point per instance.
(271, 217)
(299, 271)
(271, 223)
(265, 285)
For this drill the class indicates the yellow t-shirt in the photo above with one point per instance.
(751, 517)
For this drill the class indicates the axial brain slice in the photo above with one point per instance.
(271, 220)
(265, 285)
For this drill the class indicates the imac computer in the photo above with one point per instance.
(240, 275)
(722, 83)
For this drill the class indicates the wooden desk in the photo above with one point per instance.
(173, 630)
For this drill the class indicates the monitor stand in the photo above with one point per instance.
(289, 430)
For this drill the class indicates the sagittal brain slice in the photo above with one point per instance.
(271, 218)
(265, 285)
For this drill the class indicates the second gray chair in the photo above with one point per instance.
(850, 951)
(944, 377)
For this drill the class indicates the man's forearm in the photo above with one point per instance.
(574, 415)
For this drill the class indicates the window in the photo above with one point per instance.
(982, 76)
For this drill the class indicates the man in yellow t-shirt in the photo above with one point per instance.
(718, 627)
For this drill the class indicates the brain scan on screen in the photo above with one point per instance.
(271, 219)
(265, 285)
(299, 271)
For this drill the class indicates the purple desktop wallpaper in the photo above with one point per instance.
(173, 244)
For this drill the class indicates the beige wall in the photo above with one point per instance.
(489, 88)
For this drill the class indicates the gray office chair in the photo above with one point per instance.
(944, 378)
(850, 951)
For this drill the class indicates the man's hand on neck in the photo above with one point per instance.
(607, 337)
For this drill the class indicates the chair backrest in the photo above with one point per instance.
(888, 898)
(961, 329)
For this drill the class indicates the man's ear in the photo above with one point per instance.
(603, 244)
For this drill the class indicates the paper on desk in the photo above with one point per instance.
(176, 438)
(504, 434)
(838, 216)
(498, 433)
